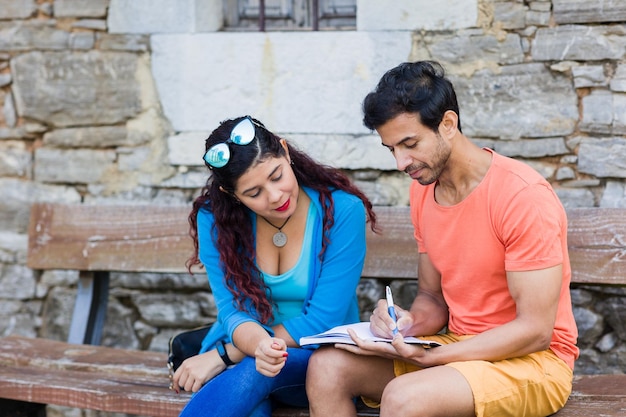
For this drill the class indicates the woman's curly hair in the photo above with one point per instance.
(235, 237)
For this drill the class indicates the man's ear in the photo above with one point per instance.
(449, 124)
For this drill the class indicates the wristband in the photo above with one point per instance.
(221, 349)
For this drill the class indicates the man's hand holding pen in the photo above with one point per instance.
(383, 324)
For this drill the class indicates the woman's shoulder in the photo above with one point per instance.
(344, 197)
(340, 197)
(205, 215)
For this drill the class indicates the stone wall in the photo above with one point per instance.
(106, 101)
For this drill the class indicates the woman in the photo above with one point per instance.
(283, 241)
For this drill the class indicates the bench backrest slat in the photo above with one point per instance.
(597, 245)
(109, 238)
(155, 238)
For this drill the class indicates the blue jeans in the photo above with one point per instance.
(243, 392)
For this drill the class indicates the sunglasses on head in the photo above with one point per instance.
(242, 134)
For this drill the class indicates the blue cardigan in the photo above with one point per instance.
(331, 298)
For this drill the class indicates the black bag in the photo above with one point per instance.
(184, 345)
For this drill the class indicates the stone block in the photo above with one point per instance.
(5, 79)
(82, 40)
(545, 169)
(160, 281)
(395, 15)
(74, 89)
(94, 24)
(119, 326)
(468, 49)
(8, 111)
(614, 195)
(588, 11)
(132, 159)
(17, 9)
(167, 309)
(541, 6)
(186, 180)
(598, 112)
(537, 18)
(187, 148)
(28, 36)
(603, 157)
(531, 148)
(80, 166)
(165, 16)
(136, 43)
(80, 8)
(17, 282)
(579, 43)
(87, 137)
(346, 151)
(13, 247)
(18, 195)
(521, 101)
(565, 173)
(589, 76)
(510, 15)
(57, 313)
(618, 82)
(575, 197)
(56, 277)
(310, 82)
(619, 114)
(15, 159)
(19, 324)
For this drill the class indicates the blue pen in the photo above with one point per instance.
(391, 309)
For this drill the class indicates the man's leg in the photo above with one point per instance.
(438, 391)
(335, 377)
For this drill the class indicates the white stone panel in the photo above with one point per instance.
(416, 14)
(341, 151)
(165, 16)
(311, 82)
(186, 148)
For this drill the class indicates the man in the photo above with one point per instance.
(493, 271)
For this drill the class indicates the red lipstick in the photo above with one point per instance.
(284, 206)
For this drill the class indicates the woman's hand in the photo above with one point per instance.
(271, 355)
(197, 370)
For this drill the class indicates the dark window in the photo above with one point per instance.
(290, 15)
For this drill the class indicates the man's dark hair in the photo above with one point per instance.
(411, 87)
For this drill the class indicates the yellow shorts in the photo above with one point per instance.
(538, 384)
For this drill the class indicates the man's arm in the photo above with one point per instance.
(536, 295)
(428, 313)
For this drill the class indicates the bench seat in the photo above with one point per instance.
(98, 240)
(136, 382)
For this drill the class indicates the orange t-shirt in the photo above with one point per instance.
(512, 221)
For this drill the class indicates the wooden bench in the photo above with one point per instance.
(97, 240)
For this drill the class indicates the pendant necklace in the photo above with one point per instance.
(279, 238)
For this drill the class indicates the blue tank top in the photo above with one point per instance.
(289, 289)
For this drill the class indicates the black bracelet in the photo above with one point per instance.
(221, 349)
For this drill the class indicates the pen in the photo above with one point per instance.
(391, 309)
